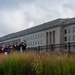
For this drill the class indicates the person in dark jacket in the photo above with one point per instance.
(11, 46)
(17, 46)
(0, 49)
(6, 49)
(24, 45)
(21, 46)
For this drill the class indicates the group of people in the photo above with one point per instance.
(19, 46)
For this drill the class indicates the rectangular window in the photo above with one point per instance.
(38, 42)
(69, 38)
(41, 41)
(41, 35)
(28, 43)
(29, 38)
(33, 37)
(35, 42)
(69, 30)
(65, 46)
(31, 43)
(74, 46)
(65, 38)
(73, 37)
(38, 36)
(74, 30)
(65, 31)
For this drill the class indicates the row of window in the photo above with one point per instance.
(69, 38)
(70, 30)
(73, 46)
(36, 36)
(39, 42)
(66, 46)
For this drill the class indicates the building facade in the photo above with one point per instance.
(54, 32)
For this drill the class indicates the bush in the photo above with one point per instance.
(37, 64)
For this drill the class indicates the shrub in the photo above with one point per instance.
(37, 64)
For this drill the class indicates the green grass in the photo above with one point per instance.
(37, 64)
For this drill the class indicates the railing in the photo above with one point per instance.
(65, 47)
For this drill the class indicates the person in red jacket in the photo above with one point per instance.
(2, 48)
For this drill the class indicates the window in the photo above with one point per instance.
(41, 41)
(65, 46)
(35, 42)
(65, 38)
(69, 38)
(38, 36)
(28, 38)
(74, 30)
(69, 30)
(35, 36)
(31, 43)
(38, 42)
(74, 46)
(73, 37)
(31, 37)
(65, 31)
(28, 43)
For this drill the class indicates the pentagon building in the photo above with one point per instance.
(54, 32)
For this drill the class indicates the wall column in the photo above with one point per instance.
(46, 41)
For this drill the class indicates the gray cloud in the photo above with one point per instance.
(16, 15)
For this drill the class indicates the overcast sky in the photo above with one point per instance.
(16, 15)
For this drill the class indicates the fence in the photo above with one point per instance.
(65, 47)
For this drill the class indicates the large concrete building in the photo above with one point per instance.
(54, 32)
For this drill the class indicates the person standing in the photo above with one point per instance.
(3, 48)
(6, 50)
(20, 46)
(25, 45)
(17, 46)
(11, 46)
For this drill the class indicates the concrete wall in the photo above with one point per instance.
(71, 34)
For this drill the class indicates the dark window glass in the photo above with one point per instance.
(65, 31)
(65, 38)
(74, 30)
(73, 37)
(65, 46)
(74, 46)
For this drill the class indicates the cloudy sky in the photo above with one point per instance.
(16, 15)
